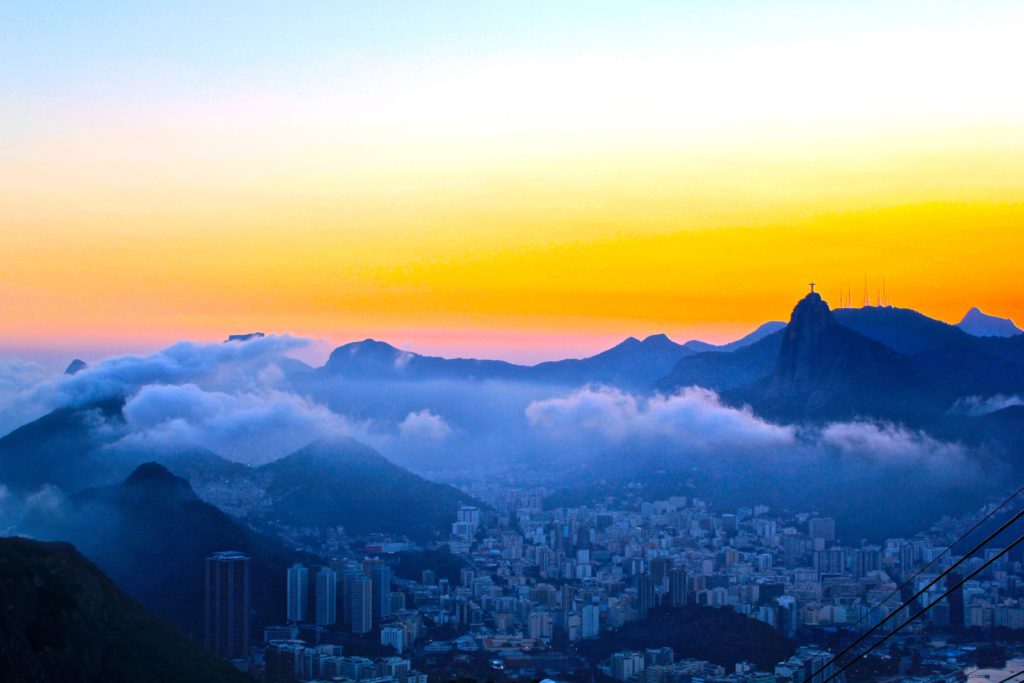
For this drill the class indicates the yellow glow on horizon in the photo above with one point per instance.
(691, 190)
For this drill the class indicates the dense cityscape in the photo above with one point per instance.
(522, 592)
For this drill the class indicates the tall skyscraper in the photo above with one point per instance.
(660, 567)
(228, 585)
(591, 622)
(644, 594)
(326, 597)
(677, 587)
(298, 593)
(380, 574)
(361, 594)
(348, 574)
(866, 560)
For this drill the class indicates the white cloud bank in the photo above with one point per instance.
(696, 421)
(694, 416)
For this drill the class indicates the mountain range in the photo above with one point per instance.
(333, 482)
(631, 364)
(875, 362)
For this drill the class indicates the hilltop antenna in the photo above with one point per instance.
(866, 303)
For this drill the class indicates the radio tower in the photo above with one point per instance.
(866, 302)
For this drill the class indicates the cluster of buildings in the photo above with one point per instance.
(790, 572)
(659, 665)
(357, 597)
(536, 580)
(291, 660)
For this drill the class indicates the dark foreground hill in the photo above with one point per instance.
(151, 534)
(64, 621)
(717, 635)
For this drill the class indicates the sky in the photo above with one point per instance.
(515, 180)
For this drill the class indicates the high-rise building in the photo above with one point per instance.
(466, 523)
(397, 601)
(393, 636)
(380, 575)
(326, 597)
(284, 661)
(626, 665)
(540, 625)
(466, 577)
(298, 593)
(591, 622)
(227, 606)
(361, 599)
(787, 615)
(866, 560)
(644, 595)
(677, 587)
(660, 567)
(348, 574)
(906, 559)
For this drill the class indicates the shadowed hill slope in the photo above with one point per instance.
(64, 621)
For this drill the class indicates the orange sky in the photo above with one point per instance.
(510, 197)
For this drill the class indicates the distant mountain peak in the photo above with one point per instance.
(811, 345)
(810, 314)
(368, 357)
(980, 324)
(368, 346)
(244, 337)
(150, 471)
(660, 339)
(153, 480)
(77, 365)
